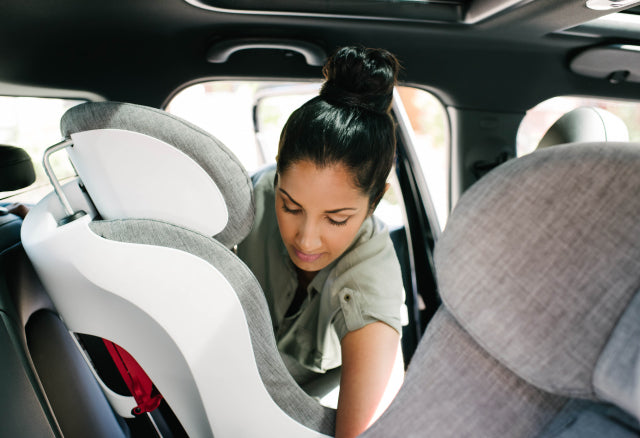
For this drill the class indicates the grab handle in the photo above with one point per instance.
(220, 51)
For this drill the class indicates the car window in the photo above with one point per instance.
(33, 124)
(430, 127)
(540, 118)
(248, 116)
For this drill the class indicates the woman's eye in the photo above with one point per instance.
(289, 210)
(338, 223)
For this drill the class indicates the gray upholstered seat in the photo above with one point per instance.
(539, 331)
(149, 268)
(584, 124)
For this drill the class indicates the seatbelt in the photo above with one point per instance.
(140, 385)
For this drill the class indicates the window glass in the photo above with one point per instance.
(248, 116)
(34, 124)
(540, 118)
(431, 141)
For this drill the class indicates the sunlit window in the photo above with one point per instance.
(34, 124)
(431, 135)
(248, 116)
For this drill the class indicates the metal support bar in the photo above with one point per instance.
(54, 181)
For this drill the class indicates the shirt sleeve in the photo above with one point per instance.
(368, 285)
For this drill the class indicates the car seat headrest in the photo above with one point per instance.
(540, 263)
(585, 124)
(16, 168)
(138, 162)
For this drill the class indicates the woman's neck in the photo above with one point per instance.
(305, 277)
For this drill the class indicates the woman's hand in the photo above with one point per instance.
(18, 209)
(372, 372)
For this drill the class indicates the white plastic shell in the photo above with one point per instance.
(132, 175)
(174, 312)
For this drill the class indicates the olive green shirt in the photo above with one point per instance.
(362, 286)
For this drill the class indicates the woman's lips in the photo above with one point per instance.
(307, 258)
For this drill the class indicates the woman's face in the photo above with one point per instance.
(319, 212)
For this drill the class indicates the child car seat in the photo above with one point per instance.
(136, 251)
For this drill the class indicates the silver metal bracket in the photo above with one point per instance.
(70, 215)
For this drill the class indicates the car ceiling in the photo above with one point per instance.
(514, 54)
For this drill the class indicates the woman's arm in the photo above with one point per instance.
(372, 371)
(18, 209)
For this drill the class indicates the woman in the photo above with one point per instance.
(326, 265)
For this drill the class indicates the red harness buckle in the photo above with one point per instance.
(140, 385)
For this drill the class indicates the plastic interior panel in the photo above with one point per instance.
(172, 311)
(125, 182)
(603, 62)
(79, 405)
(20, 411)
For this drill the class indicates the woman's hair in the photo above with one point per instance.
(349, 123)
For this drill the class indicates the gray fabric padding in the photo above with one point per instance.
(615, 377)
(453, 388)
(219, 162)
(588, 419)
(279, 383)
(541, 257)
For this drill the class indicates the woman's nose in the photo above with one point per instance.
(309, 237)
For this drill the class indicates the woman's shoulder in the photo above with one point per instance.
(370, 265)
(366, 283)
(371, 247)
(263, 179)
(264, 222)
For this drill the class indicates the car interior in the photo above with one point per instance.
(514, 213)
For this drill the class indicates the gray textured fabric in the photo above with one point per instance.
(279, 383)
(549, 245)
(220, 163)
(637, 410)
(615, 377)
(453, 388)
(587, 419)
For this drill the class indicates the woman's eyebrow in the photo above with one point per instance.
(289, 196)
(337, 210)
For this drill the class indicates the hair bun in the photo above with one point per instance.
(360, 77)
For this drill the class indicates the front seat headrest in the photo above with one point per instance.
(539, 261)
(585, 124)
(16, 168)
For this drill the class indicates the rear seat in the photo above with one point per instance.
(48, 389)
(23, 408)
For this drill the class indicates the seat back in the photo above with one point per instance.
(149, 268)
(16, 168)
(23, 408)
(585, 124)
(16, 172)
(539, 332)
